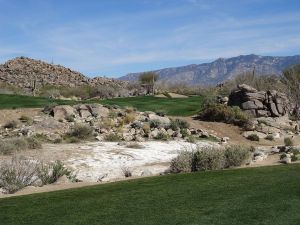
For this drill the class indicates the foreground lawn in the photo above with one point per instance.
(173, 107)
(267, 195)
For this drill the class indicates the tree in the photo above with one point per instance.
(148, 79)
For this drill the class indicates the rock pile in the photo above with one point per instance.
(22, 72)
(259, 103)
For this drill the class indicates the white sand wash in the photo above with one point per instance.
(107, 159)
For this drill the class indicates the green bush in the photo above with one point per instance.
(178, 124)
(191, 139)
(288, 141)
(11, 124)
(236, 155)
(209, 158)
(253, 137)
(269, 137)
(184, 133)
(223, 113)
(154, 123)
(162, 136)
(294, 158)
(183, 163)
(82, 131)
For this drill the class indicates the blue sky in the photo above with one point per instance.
(115, 37)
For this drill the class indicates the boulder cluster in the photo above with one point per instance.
(259, 103)
(23, 71)
(108, 123)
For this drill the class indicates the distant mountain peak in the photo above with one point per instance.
(222, 69)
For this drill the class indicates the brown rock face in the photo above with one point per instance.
(259, 103)
(22, 72)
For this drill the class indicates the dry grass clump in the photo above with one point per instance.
(10, 145)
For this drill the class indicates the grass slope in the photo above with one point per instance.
(22, 101)
(174, 107)
(265, 196)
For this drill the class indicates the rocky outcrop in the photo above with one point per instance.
(259, 103)
(22, 72)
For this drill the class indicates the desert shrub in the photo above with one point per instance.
(253, 137)
(72, 139)
(294, 158)
(155, 123)
(82, 131)
(162, 136)
(129, 118)
(112, 137)
(294, 151)
(50, 173)
(269, 137)
(26, 119)
(11, 124)
(160, 112)
(146, 128)
(57, 141)
(183, 163)
(112, 114)
(184, 133)
(10, 145)
(33, 143)
(108, 123)
(17, 174)
(130, 110)
(223, 113)
(41, 137)
(288, 141)
(209, 158)
(282, 156)
(126, 172)
(236, 155)
(70, 118)
(178, 123)
(191, 139)
(135, 145)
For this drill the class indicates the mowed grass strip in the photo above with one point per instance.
(173, 107)
(266, 195)
(22, 101)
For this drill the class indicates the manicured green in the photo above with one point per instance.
(265, 196)
(22, 101)
(173, 107)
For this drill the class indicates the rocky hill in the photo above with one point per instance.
(222, 69)
(22, 72)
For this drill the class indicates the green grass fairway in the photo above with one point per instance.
(264, 196)
(21, 101)
(173, 107)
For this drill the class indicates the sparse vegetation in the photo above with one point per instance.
(126, 171)
(17, 173)
(11, 145)
(209, 158)
(134, 145)
(129, 118)
(82, 131)
(51, 172)
(155, 124)
(26, 119)
(288, 141)
(236, 155)
(183, 163)
(113, 137)
(179, 124)
(162, 136)
(11, 124)
(223, 113)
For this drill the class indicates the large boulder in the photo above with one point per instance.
(98, 110)
(162, 119)
(62, 112)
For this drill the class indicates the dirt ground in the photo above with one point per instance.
(7, 115)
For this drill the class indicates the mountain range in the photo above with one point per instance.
(222, 69)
